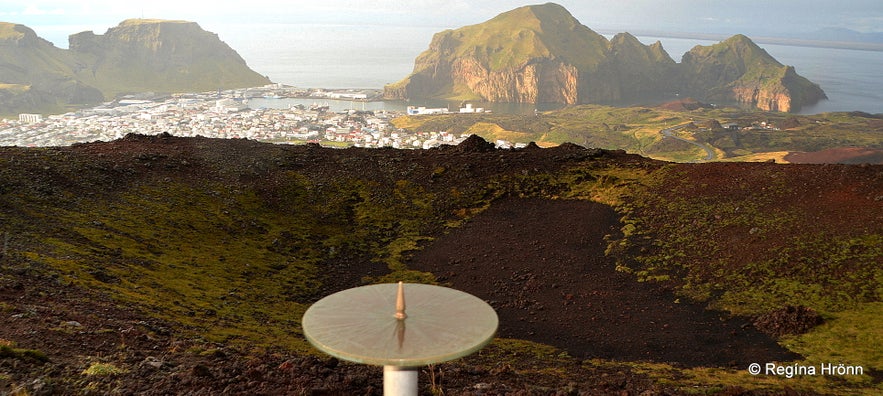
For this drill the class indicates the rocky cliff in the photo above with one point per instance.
(738, 70)
(135, 56)
(541, 53)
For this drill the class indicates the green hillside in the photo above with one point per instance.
(732, 59)
(513, 38)
(136, 56)
(637, 130)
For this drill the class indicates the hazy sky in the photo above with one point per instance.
(752, 17)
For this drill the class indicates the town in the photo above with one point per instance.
(226, 114)
(243, 114)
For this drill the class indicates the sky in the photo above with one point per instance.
(55, 20)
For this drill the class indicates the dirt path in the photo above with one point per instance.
(541, 265)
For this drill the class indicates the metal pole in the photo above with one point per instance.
(399, 381)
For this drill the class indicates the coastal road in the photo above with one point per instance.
(669, 132)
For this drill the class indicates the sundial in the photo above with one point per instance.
(377, 325)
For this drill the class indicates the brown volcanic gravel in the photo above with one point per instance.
(541, 265)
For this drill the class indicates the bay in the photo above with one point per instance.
(329, 56)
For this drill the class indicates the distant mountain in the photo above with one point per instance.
(841, 34)
(541, 53)
(138, 55)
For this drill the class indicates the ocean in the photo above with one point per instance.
(329, 56)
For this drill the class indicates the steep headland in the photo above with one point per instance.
(541, 53)
(160, 55)
(138, 55)
(737, 69)
(37, 75)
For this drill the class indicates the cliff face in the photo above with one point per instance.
(136, 56)
(773, 97)
(535, 82)
(541, 53)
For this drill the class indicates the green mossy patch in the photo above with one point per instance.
(10, 352)
(103, 370)
(234, 263)
(199, 257)
(851, 337)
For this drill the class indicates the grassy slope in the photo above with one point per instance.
(837, 271)
(163, 238)
(40, 59)
(828, 266)
(238, 262)
(15, 88)
(233, 262)
(30, 69)
(7, 31)
(515, 37)
(636, 130)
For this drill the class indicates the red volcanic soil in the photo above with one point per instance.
(842, 155)
(541, 265)
(686, 104)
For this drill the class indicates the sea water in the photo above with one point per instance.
(330, 56)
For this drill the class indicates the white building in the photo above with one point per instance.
(228, 106)
(30, 118)
(348, 95)
(413, 110)
(469, 109)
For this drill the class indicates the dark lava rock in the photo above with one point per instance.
(788, 320)
(475, 144)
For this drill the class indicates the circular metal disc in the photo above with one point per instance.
(359, 325)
